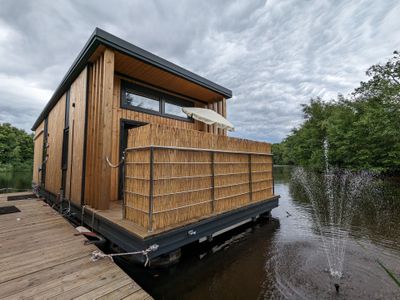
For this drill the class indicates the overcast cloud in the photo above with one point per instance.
(273, 55)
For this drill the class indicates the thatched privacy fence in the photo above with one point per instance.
(175, 176)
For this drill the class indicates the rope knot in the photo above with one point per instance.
(97, 254)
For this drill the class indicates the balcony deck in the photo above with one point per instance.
(182, 186)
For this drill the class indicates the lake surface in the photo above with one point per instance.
(16, 181)
(285, 259)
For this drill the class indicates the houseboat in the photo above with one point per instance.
(136, 148)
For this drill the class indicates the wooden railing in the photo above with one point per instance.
(166, 186)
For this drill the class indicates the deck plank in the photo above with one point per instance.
(41, 258)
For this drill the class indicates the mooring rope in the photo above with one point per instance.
(97, 254)
(117, 165)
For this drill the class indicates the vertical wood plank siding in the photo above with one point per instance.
(76, 138)
(38, 153)
(99, 133)
(54, 150)
(106, 127)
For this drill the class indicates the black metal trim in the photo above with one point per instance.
(151, 190)
(67, 107)
(122, 124)
(213, 181)
(44, 152)
(99, 37)
(88, 66)
(272, 174)
(155, 95)
(64, 158)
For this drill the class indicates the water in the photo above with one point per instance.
(17, 181)
(285, 258)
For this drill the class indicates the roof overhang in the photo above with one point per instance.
(101, 37)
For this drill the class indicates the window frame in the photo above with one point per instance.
(162, 98)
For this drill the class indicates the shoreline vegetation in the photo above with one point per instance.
(16, 149)
(362, 130)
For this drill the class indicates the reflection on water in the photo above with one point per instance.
(284, 259)
(17, 181)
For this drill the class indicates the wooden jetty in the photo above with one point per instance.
(41, 258)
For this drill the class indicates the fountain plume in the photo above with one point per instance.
(333, 197)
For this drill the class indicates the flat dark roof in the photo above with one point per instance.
(101, 37)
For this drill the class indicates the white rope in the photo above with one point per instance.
(97, 254)
(112, 165)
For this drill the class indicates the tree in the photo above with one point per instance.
(16, 148)
(362, 131)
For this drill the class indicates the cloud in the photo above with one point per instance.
(274, 55)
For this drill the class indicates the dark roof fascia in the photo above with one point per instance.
(78, 65)
(139, 53)
(100, 36)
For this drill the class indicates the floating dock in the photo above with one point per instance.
(42, 258)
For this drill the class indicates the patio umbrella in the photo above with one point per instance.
(209, 117)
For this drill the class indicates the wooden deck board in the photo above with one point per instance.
(41, 258)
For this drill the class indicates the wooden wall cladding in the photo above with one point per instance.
(55, 130)
(99, 133)
(77, 109)
(38, 153)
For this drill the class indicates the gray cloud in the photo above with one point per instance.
(274, 55)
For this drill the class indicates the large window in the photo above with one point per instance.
(146, 100)
(174, 108)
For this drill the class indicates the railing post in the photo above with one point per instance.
(151, 192)
(124, 155)
(212, 182)
(250, 180)
(272, 175)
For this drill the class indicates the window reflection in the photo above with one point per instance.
(136, 100)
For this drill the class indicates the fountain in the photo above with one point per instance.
(333, 195)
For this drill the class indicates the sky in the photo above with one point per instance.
(273, 55)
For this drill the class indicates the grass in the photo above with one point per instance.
(390, 274)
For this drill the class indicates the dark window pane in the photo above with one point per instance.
(136, 100)
(174, 109)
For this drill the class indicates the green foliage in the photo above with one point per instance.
(363, 131)
(16, 148)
